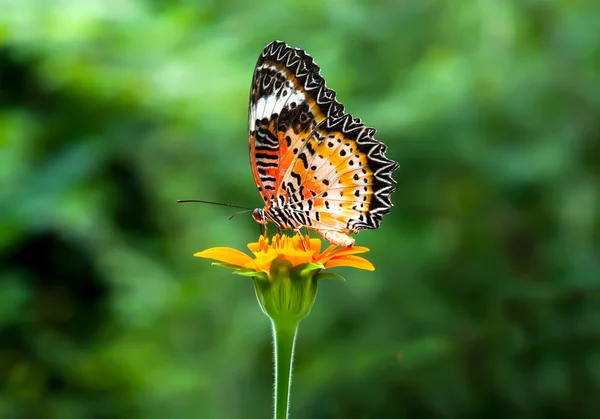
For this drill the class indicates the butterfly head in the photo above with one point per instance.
(274, 214)
(259, 216)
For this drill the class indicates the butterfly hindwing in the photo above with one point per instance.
(344, 177)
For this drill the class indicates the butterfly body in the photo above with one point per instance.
(285, 219)
(314, 165)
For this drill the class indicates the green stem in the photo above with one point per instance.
(284, 338)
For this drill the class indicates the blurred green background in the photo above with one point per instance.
(486, 298)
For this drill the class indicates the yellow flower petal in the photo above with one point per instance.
(328, 254)
(263, 261)
(225, 254)
(254, 247)
(314, 244)
(350, 261)
(261, 244)
(297, 258)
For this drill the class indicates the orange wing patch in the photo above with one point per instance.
(336, 180)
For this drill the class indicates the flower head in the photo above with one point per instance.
(286, 271)
(295, 250)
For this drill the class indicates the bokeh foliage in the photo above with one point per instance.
(486, 297)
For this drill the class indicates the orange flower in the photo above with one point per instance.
(292, 249)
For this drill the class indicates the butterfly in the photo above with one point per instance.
(315, 166)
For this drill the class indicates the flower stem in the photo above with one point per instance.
(284, 338)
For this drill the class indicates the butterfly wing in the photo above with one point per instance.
(282, 113)
(320, 164)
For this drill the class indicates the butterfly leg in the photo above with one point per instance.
(263, 229)
(297, 231)
(305, 237)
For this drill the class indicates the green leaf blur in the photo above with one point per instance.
(486, 298)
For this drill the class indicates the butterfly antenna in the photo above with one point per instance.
(183, 201)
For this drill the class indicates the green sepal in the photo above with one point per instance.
(306, 269)
(329, 275)
(252, 274)
(226, 265)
